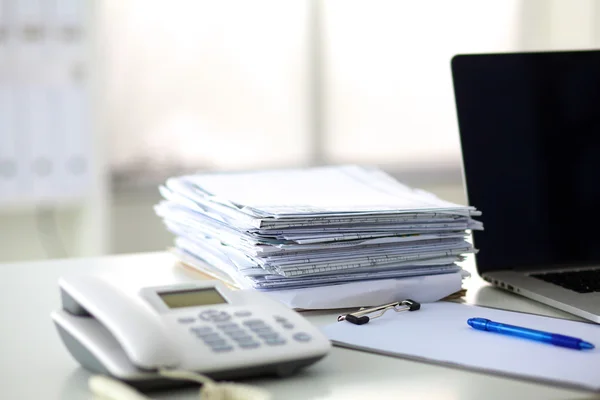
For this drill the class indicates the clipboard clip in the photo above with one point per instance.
(360, 317)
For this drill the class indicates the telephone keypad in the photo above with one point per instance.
(267, 334)
(239, 335)
(215, 341)
(224, 335)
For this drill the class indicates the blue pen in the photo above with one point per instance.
(483, 324)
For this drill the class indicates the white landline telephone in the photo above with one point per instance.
(197, 326)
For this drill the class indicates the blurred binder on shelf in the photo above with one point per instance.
(9, 165)
(67, 21)
(45, 118)
(42, 147)
(26, 40)
(76, 128)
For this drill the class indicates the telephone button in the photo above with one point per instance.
(237, 334)
(214, 316)
(244, 339)
(216, 342)
(200, 330)
(270, 335)
(302, 337)
(208, 315)
(222, 349)
(254, 323)
(275, 341)
(221, 317)
(209, 336)
(186, 320)
(249, 345)
(262, 330)
(284, 322)
(242, 313)
(230, 326)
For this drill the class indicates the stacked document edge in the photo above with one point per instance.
(299, 228)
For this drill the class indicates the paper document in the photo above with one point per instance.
(314, 227)
(439, 333)
(422, 288)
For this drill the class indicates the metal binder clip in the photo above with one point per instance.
(359, 317)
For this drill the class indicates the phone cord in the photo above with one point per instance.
(105, 388)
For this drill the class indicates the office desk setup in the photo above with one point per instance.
(36, 365)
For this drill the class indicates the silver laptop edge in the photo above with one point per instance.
(584, 305)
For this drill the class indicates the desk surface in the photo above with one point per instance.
(35, 365)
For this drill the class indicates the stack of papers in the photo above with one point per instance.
(300, 228)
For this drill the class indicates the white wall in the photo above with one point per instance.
(231, 90)
(204, 83)
(389, 88)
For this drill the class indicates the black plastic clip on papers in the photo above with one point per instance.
(360, 317)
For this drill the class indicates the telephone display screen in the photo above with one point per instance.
(192, 298)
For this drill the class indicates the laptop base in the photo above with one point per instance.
(584, 305)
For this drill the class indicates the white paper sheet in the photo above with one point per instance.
(439, 333)
(423, 289)
(298, 191)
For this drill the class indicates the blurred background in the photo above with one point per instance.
(101, 101)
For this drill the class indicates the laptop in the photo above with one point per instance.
(529, 128)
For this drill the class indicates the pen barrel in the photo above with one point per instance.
(518, 331)
(532, 334)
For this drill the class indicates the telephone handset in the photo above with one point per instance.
(138, 330)
(129, 333)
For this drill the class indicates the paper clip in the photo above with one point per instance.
(360, 318)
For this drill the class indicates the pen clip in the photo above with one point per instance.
(361, 316)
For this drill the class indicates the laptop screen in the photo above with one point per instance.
(530, 135)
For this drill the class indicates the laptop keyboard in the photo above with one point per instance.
(585, 281)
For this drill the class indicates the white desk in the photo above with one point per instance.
(35, 365)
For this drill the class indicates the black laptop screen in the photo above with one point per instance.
(530, 135)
